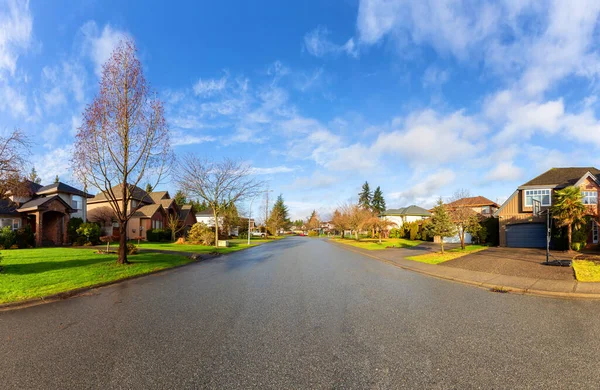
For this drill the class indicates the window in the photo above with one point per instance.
(589, 197)
(485, 209)
(14, 224)
(542, 195)
(76, 202)
(156, 224)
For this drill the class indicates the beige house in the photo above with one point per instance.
(520, 228)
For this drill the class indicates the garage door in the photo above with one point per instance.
(456, 239)
(528, 235)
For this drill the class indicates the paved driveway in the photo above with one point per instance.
(523, 262)
(294, 314)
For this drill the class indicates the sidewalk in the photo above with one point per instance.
(518, 284)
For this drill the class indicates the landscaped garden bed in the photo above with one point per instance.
(374, 244)
(451, 254)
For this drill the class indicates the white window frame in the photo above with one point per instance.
(538, 194)
(11, 222)
(589, 197)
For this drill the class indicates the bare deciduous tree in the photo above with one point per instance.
(104, 216)
(219, 183)
(124, 137)
(175, 225)
(461, 213)
(13, 149)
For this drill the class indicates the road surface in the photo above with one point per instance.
(300, 313)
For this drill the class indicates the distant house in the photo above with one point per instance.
(207, 217)
(152, 211)
(479, 206)
(405, 215)
(520, 228)
(47, 209)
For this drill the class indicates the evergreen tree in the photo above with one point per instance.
(440, 223)
(180, 198)
(33, 176)
(56, 179)
(378, 203)
(149, 188)
(365, 197)
(279, 215)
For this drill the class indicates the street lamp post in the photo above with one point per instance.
(250, 215)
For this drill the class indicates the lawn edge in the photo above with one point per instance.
(413, 258)
(81, 290)
(483, 285)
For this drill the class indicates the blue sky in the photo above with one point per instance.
(420, 98)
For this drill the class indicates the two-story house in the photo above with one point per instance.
(479, 204)
(520, 228)
(405, 215)
(47, 209)
(152, 211)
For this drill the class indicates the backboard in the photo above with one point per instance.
(537, 207)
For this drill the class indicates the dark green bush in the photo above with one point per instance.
(158, 235)
(25, 237)
(491, 226)
(72, 226)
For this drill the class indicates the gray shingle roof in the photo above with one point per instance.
(61, 187)
(137, 194)
(561, 177)
(8, 208)
(410, 210)
(36, 203)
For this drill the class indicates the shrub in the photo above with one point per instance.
(80, 241)
(413, 231)
(72, 226)
(313, 233)
(25, 237)
(90, 231)
(158, 235)
(200, 233)
(8, 237)
(243, 235)
(132, 249)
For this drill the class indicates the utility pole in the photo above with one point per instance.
(267, 209)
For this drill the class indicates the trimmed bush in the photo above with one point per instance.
(8, 238)
(313, 233)
(413, 231)
(158, 235)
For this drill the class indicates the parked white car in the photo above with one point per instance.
(259, 234)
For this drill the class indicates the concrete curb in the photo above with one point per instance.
(485, 285)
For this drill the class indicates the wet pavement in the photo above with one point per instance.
(299, 313)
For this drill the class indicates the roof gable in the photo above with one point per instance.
(136, 194)
(562, 177)
(61, 187)
(474, 201)
(413, 210)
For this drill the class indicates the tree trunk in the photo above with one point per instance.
(122, 243)
(462, 238)
(569, 233)
(216, 227)
(356, 232)
(442, 244)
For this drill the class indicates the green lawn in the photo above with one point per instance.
(373, 244)
(586, 271)
(35, 273)
(235, 245)
(438, 257)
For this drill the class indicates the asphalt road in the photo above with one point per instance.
(300, 313)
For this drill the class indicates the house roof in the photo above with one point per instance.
(8, 208)
(205, 213)
(185, 211)
(147, 211)
(474, 201)
(157, 196)
(36, 203)
(561, 177)
(166, 203)
(61, 187)
(410, 210)
(137, 194)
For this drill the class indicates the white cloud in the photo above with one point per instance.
(316, 181)
(505, 171)
(100, 44)
(55, 162)
(15, 33)
(318, 44)
(186, 139)
(428, 139)
(273, 170)
(12, 101)
(425, 191)
(434, 77)
(51, 134)
(210, 86)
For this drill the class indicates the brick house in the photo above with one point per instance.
(520, 228)
(47, 209)
(152, 212)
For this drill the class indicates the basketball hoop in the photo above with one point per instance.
(537, 207)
